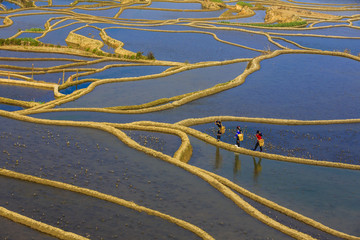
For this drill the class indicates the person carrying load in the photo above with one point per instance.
(259, 141)
(221, 129)
(239, 136)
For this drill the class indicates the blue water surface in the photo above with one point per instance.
(105, 164)
(328, 195)
(139, 92)
(177, 47)
(162, 15)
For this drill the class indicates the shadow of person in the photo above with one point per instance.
(257, 168)
(237, 164)
(218, 158)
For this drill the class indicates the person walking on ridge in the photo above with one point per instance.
(259, 141)
(239, 136)
(221, 129)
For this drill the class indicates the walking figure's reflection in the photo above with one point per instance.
(237, 164)
(218, 158)
(257, 168)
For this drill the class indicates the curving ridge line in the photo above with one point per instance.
(131, 143)
(39, 226)
(182, 154)
(253, 66)
(208, 139)
(196, 121)
(92, 193)
(257, 198)
(121, 136)
(281, 209)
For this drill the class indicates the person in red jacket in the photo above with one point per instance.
(259, 141)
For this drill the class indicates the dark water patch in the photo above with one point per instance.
(12, 230)
(23, 23)
(42, 4)
(10, 5)
(26, 93)
(177, 47)
(324, 24)
(165, 143)
(86, 216)
(63, 23)
(259, 42)
(29, 35)
(20, 54)
(86, 3)
(291, 222)
(328, 44)
(127, 71)
(37, 64)
(71, 89)
(286, 44)
(258, 17)
(302, 86)
(139, 92)
(342, 31)
(174, 27)
(9, 107)
(36, 12)
(57, 37)
(176, 5)
(289, 86)
(53, 77)
(60, 2)
(165, 15)
(99, 12)
(328, 1)
(327, 195)
(99, 161)
(342, 13)
(356, 23)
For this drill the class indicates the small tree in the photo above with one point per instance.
(150, 55)
(139, 55)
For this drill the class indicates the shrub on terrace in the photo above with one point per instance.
(241, 3)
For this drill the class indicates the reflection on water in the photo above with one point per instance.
(317, 192)
(218, 158)
(237, 164)
(257, 168)
(96, 160)
(337, 143)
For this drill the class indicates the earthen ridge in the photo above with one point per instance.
(212, 181)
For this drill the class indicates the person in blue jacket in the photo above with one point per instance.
(239, 136)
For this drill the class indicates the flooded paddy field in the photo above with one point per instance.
(108, 112)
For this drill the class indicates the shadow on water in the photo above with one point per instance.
(237, 164)
(257, 168)
(96, 160)
(218, 159)
(316, 192)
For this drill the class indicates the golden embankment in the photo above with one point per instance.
(214, 180)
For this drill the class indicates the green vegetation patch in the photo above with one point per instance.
(19, 41)
(35, 29)
(289, 24)
(241, 3)
(218, 1)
